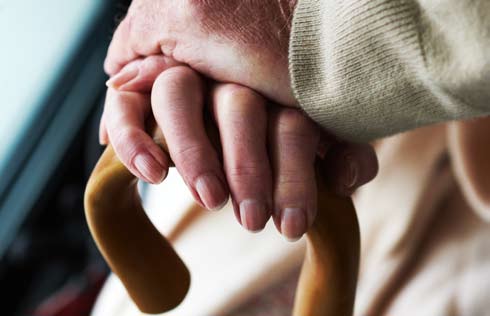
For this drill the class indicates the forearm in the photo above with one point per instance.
(366, 69)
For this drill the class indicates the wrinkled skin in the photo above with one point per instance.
(244, 42)
(171, 58)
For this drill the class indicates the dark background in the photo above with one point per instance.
(52, 267)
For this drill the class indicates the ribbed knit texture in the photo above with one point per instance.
(366, 69)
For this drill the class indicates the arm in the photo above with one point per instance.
(366, 69)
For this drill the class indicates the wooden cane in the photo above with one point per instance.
(156, 278)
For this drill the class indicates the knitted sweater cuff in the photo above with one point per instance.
(358, 68)
(347, 73)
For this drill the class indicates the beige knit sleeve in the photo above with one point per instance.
(365, 69)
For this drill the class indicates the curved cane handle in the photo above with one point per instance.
(327, 284)
(157, 279)
(153, 274)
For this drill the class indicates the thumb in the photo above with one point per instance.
(140, 74)
(348, 166)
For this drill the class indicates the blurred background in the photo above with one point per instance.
(52, 87)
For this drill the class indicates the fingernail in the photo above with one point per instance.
(293, 223)
(150, 168)
(212, 192)
(125, 75)
(252, 215)
(349, 176)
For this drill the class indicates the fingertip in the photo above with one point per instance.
(369, 164)
(253, 215)
(139, 153)
(127, 74)
(349, 166)
(291, 240)
(211, 191)
(149, 168)
(293, 223)
(124, 122)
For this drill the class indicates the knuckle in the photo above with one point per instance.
(295, 129)
(195, 150)
(193, 159)
(153, 64)
(247, 171)
(239, 106)
(240, 96)
(179, 74)
(176, 78)
(120, 102)
(292, 178)
(117, 99)
(177, 89)
(127, 142)
(126, 137)
(292, 120)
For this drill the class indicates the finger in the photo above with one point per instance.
(177, 101)
(103, 136)
(242, 121)
(128, 45)
(294, 142)
(119, 52)
(125, 116)
(140, 74)
(348, 166)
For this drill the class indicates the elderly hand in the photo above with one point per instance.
(244, 42)
(268, 155)
(268, 151)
